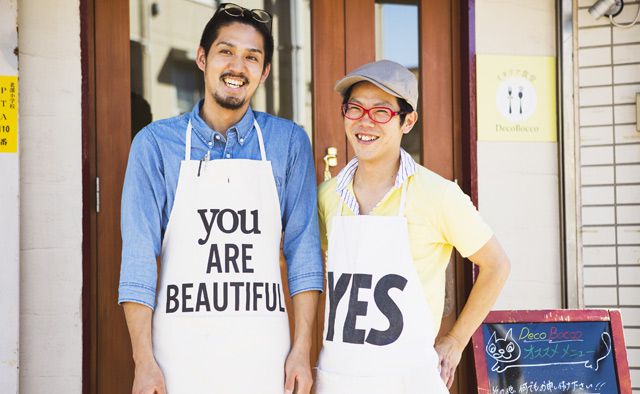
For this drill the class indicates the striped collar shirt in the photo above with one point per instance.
(345, 179)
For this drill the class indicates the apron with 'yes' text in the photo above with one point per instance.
(378, 330)
(220, 325)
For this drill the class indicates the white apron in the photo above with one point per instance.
(220, 324)
(378, 330)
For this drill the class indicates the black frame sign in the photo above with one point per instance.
(551, 351)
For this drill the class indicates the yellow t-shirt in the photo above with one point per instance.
(440, 217)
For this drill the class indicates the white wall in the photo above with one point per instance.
(51, 197)
(9, 219)
(518, 181)
(608, 80)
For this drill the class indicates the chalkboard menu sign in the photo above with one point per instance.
(551, 351)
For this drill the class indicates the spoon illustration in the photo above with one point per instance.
(520, 97)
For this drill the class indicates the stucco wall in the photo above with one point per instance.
(9, 218)
(518, 181)
(51, 197)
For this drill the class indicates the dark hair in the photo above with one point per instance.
(405, 107)
(221, 19)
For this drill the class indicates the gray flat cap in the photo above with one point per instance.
(389, 76)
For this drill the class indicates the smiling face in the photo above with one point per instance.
(233, 69)
(376, 142)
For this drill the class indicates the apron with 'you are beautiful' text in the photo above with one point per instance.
(220, 325)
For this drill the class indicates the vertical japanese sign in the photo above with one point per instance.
(8, 114)
(516, 98)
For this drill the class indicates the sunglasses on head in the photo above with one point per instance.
(237, 11)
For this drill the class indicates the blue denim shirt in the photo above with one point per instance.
(152, 177)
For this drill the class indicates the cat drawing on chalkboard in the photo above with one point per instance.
(504, 350)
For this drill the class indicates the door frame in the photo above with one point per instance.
(461, 150)
(87, 61)
(105, 64)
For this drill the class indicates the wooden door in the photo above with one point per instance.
(105, 32)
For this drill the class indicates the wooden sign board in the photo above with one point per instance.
(551, 351)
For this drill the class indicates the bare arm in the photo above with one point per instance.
(148, 377)
(297, 367)
(494, 268)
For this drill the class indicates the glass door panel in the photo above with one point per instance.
(397, 39)
(165, 80)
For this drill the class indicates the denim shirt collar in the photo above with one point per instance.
(206, 133)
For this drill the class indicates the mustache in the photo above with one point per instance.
(239, 76)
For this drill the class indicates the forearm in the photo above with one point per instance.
(305, 305)
(483, 295)
(494, 269)
(139, 319)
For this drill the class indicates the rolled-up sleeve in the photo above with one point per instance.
(300, 220)
(143, 197)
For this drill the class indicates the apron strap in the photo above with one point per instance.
(187, 144)
(260, 141)
(403, 198)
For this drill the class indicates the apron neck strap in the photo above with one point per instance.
(263, 155)
(187, 144)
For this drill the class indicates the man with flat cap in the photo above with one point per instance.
(389, 227)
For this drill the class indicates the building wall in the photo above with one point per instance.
(51, 197)
(518, 181)
(608, 80)
(9, 217)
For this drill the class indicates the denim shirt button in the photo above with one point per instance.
(241, 140)
(228, 155)
(218, 136)
(210, 143)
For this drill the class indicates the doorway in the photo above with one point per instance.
(434, 39)
(426, 36)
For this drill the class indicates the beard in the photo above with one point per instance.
(229, 102)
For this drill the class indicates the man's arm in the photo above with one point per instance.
(297, 368)
(143, 197)
(301, 249)
(494, 268)
(301, 243)
(148, 376)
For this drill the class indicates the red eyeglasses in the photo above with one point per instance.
(381, 115)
